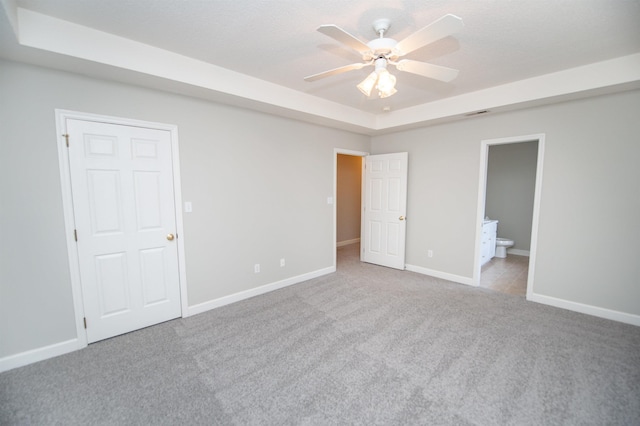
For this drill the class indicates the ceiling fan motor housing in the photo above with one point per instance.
(382, 47)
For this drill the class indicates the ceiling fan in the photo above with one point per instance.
(383, 51)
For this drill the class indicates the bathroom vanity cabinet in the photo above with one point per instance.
(489, 234)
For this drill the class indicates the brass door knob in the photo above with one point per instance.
(401, 218)
(170, 237)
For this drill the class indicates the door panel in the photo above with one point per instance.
(104, 201)
(111, 282)
(122, 186)
(153, 275)
(147, 197)
(385, 209)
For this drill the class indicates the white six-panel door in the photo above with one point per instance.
(123, 202)
(385, 204)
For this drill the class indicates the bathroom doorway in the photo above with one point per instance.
(510, 179)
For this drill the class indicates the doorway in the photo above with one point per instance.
(509, 192)
(347, 211)
(383, 195)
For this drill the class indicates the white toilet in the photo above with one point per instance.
(502, 244)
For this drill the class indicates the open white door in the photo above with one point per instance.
(125, 218)
(385, 205)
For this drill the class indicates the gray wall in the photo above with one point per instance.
(349, 183)
(258, 183)
(588, 236)
(511, 182)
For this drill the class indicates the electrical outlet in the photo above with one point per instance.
(256, 268)
(430, 253)
(282, 262)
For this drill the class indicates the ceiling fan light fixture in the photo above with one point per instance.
(386, 84)
(381, 79)
(388, 93)
(366, 85)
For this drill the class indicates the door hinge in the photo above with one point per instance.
(66, 137)
(85, 322)
(75, 235)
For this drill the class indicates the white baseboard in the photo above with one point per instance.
(440, 274)
(39, 354)
(29, 357)
(347, 242)
(585, 309)
(539, 298)
(236, 297)
(57, 349)
(518, 252)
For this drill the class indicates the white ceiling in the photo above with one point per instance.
(503, 45)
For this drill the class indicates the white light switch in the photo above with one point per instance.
(329, 200)
(188, 208)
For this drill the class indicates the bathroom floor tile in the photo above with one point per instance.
(506, 275)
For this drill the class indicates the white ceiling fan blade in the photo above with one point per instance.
(335, 71)
(424, 69)
(441, 28)
(344, 37)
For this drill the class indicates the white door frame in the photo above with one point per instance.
(67, 204)
(337, 151)
(482, 196)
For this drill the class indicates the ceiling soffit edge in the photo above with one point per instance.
(79, 42)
